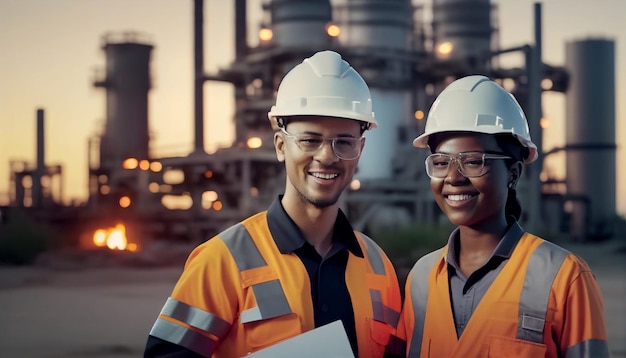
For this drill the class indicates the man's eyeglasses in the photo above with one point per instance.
(469, 164)
(346, 148)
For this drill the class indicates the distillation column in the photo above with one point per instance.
(590, 136)
(127, 83)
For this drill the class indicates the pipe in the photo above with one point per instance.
(534, 64)
(37, 194)
(198, 25)
(241, 33)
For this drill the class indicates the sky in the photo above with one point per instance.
(50, 51)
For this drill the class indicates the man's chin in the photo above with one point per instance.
(322, 203)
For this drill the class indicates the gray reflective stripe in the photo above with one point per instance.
(374, 257)
(595, 348)
(270, 296)
(543, 265)
(419, 296)
(383, 313)
(195, 317)
(182, 336)
(271, 302)
(242, 247)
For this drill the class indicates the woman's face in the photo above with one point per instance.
(475, 202)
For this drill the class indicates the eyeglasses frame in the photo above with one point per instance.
(332, 141)
(459, 165)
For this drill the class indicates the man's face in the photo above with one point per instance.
(317, 177)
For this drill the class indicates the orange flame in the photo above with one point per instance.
(113, 238)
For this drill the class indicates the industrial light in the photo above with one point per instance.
(173, 176)
(124, 201)
(265, 34)
(130, 163)
(445, 48)
(210, 195)
(544, 122)
(254, 142)
(156, 166)
(144, 165)
(419, 115)
(355, 184)
(333, 30)
(546, 84)
(27, 181)
(177, 202)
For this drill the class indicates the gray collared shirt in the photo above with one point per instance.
(466, 292)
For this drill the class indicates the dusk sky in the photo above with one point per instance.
(50, 49)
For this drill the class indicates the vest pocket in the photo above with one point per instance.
(380, 333)
(265, 332)
(515, 348)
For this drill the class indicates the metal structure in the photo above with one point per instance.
(590, 135)
(406, 62)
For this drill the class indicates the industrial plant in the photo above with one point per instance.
(406, 60)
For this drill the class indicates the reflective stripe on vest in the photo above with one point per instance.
(270, 296)
(194, 317)
(374, 257)
(589, 348)
(543, 266)
(419, 294)
(381, 312)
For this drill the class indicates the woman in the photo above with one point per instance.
(494, 290)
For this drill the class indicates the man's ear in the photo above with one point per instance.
(279, 146)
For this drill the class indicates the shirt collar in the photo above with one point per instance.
(288, 236)
(504, 248)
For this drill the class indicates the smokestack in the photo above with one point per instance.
(37, 193)
(198, 25)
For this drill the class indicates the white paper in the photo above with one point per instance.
(328, 341)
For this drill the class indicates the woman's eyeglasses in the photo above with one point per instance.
(469, 164)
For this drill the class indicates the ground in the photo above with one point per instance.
(102, 306)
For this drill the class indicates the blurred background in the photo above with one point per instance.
(130, 131)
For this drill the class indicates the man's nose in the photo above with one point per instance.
(326, 153)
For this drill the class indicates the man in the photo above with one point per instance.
(299, 265)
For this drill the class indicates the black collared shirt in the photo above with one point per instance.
(329, 292)
(466, 292)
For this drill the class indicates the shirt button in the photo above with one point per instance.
(324, 308)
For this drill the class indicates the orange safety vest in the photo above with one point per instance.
(544, 303)
(239, 294)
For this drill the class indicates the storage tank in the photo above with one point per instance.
(461, 28)
(590, 135)
(297, 23)
(127, 82)
(380, 32)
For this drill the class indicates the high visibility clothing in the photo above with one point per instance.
(263, 296)
(544, 303)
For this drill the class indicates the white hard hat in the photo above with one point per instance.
(324, 85)
(477, 104)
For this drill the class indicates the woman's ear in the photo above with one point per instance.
(279, 146)
(515, 173)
